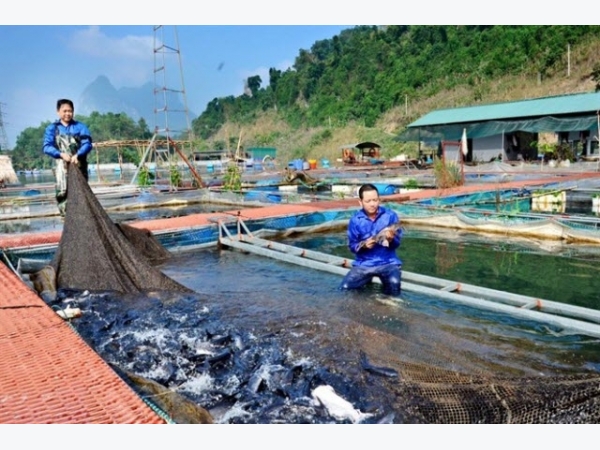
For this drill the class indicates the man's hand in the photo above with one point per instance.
(389, 234)
(74, 160)
(65, 157)
(370, 243)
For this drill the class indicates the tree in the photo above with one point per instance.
(28, 152)
(274, 77)
(254, 84)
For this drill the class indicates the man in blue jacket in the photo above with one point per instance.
(374, 234)
(67, 141)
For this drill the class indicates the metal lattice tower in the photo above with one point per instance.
(169, 94)
(3, 136)
(168, 84)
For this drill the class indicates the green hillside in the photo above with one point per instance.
(369, 82)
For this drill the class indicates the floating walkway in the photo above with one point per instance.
(48, 374)
(567, 318)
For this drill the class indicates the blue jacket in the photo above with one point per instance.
(76, 129)
(361, 227)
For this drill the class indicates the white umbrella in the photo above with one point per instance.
(465, 148)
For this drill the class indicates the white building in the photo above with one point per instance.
(514, 130)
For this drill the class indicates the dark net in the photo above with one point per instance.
(96, 254)
(440, 397)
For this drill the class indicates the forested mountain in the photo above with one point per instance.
(368, 83)
(368, 70)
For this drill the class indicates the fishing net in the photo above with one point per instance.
(440, 397)
(96, 254)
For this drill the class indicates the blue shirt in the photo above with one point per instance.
(78, 130)
(361, 227)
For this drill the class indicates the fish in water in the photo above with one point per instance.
(381, 237)
(384, 371)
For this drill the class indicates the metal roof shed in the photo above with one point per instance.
(556, 113)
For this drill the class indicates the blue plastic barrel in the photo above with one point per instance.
(325, 163)
(299, 164)
(274, 198)
(385, 189)
(390, 190)
(210, 168)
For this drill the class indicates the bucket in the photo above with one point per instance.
(305, 165)
(298, 164)
(210, 168)
(325, 163)
(292, 165)
(312, 164)
(274, 198)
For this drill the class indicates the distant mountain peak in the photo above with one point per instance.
(137, 102)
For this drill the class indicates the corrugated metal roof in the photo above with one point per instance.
(546, 106)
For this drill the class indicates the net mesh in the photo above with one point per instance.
(440, 396)
(96, 254)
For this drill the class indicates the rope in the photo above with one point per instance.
(163, 415)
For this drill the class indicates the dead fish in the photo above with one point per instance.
(381, 237)
(258, 379)
(384, 371)
(336, 406)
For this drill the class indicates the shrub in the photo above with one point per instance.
(232, 180)
(446, 175)
(411, 184)
(145, 177)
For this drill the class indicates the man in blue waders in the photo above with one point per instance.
(67, 141)
(374, 234)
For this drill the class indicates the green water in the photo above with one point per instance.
(508, 267)
(543, 269)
